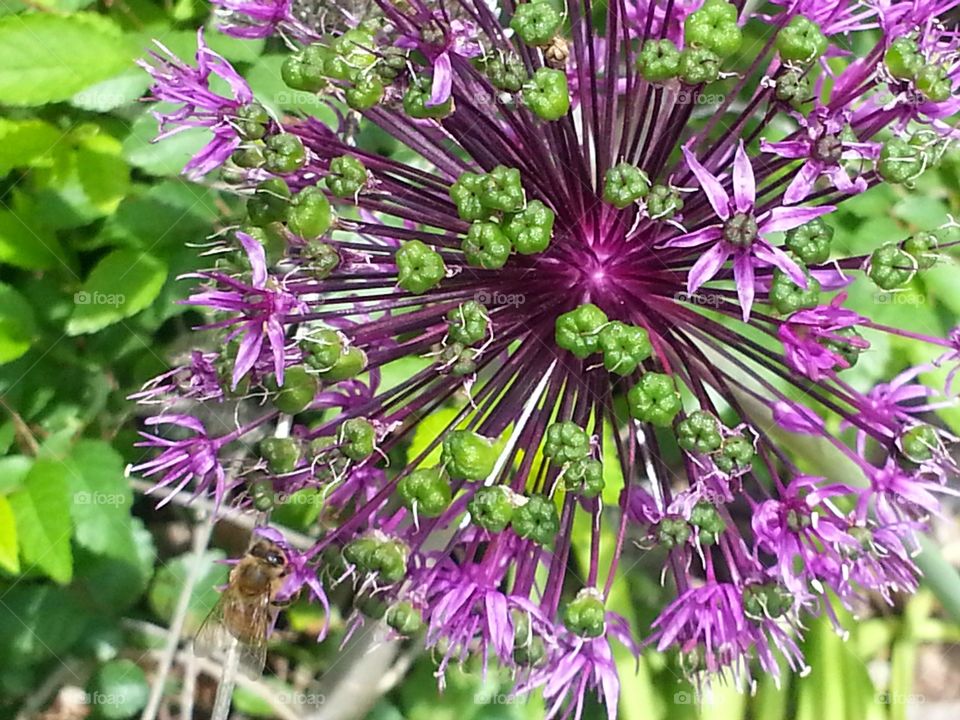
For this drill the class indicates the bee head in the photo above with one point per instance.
(269, 553)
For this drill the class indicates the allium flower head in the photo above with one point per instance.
(475, 346)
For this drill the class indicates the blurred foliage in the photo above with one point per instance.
(96, 226)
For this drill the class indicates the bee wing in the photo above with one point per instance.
(236, 621)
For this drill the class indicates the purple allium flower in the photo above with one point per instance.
(262, 18)
(557, 321)
(189, 87)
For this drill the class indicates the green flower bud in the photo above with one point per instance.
(492, 508)
(624, 184)
(699, 66)
(586, 615)
(903, 59)
(388, 561)
(404, 618)
(347, 176)
(584, 477)
(415, 104)
(427, 490)
(281, 454)
(565, 442)
(359, 552)
(891, 267)
(270, 203)
(792, 87)
(900, 161)
(578, 330)
(706, 517)
(811, 241)
(624, 347)
(468, 323)
(371, 605)
(714, 27)
(787, 297)
(663, 202)
(322, 258)
(465, 193)
(468, 455)
(251, 121)
(672, 532)
(845, 349)
(801, 40)
(357, 439)
(323, 349)
(536, 22)
(934, 82)
(273, 238)
(501, 189)
(760, 601)
(920, 443)
(351, 53)
(531, 229)
(351, 363)
(305, 70)
(419, 267)
(547, 94)
(658, 60)
(654, 399)
(366, 92)
(505, 72)
(536, 520)
(249, 156)
(261, 492)
(736, 454)
(298, 391)
(310, 215)
(284, 153)
(922, 247)
(699, 432)
(486, 246)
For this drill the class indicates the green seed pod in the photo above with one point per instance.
(736, 454)
(468, 455)
(565, 442)
(849, 350)
(469, 323)
(891, 267)
(811, 241)
(579, 330)
(714, 27)
(663, 202)
(415, 104)
(699, 432)
(505, 72)
(465, 193)
(358, 439)
(624, 347)
(281, 454)
(351, 363)
(248, 156)
(537, 520)
(366, 92)
(801, 40)
(270, 203)
(531, 229)
(427, 490)
(486, 246)
(310, 215)
(920, 443)
(699, 66)
(900, 161)
(922, 247)
(284, 153)
(347, 176)
(624, 184)
(492, 508)
(792, 87)
(299, 389)
(585, 615)
(659, 60)
(261, 492)
(501, 190)
(536, 22)
(584, 477)
(324, 349)
(321, 257)
(787, 297)
(419, 267)
(404, 618)
(547, 94)
(903, 59)
(654, 399)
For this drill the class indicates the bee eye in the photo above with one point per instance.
(274, 559)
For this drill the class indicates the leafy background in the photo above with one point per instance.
(95, 227)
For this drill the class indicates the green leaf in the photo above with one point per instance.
(47, 58)
(16, 324)
(120, 285)
(113, 93)
(24, 143)
(103, 173)
(25, 242)
(13, 471)
(42, 510)
(9, 560)
(39, 623)
(100, 499)
(167, 157)
(119, 690)
(941, 576)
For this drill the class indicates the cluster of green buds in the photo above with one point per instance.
(419, 267)
(788, 297)
(710, 35)
(426, 491)
(331, 356)
(586, 330)
(708, 522)
(625, 184)
(468, 325)
(529, 648)
(801, 41)
(378, 555)
(811, 242)
(905, 62)
(404, 618)
(891, 266)
(569, 446)
(702, 432)
(502, 220)
(351, 62)
(533, 517)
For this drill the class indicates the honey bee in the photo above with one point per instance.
(247, 609)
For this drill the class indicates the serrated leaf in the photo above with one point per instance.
(16, 324)
(9, 559)
(42, 511)
(48, 58)
(122, 284)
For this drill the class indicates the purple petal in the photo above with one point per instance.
(247, 353)
(744, 185)
(711, 186)
(744, 278)
(775, 256)
(442, 80)
(793, 149)
(258, 259)
(277, 342)
(803, 182)
(698, 237)
(707, 266)
(787, 218)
